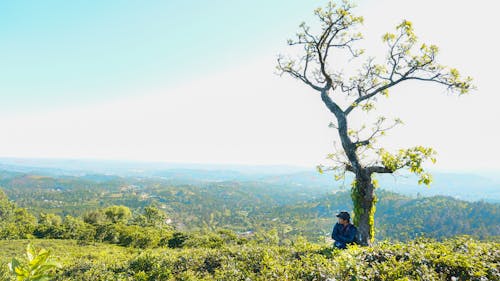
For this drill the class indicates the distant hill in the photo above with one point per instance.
(397, 216)
(469, 187)
(465, 186)
(295, 204)
(133, 168)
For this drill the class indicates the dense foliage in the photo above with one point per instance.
(14, 222)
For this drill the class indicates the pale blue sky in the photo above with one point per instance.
(193, 81)
(56, 52)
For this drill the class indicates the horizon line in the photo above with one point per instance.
(214, 164)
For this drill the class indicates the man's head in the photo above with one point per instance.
(344, 217)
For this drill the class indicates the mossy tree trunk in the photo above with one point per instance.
(364, 200)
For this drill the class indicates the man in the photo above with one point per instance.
(343, 232)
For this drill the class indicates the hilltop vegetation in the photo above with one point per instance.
(248, 206)
(146, 229)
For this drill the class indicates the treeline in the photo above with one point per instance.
(437, 217)
(114, 224)
(148, 227)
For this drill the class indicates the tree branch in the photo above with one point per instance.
(372, 94)
(294, 73)
(377, 131)
(379, 170)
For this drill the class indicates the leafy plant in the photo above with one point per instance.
(39, 265)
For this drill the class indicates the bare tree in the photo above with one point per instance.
(406, 60)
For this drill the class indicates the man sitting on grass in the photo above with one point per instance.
(343, 232)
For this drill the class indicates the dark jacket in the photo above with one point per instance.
(343, 235)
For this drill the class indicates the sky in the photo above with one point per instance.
(194, 82)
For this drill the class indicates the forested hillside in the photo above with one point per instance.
(249, 206)
(113, 243)
(399, 217)
(113, 228)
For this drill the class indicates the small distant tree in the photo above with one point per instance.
(118, 214)
(406, 60)
(154, 217)
(96, 217)
(49, 226)
(76, 228)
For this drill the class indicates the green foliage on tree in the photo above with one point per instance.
(14, 222)
(49, 225)
(117, 214)
(151, 216)
(76, 228)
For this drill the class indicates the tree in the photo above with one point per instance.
(118, 214)
(343, 94)
(96, 217)
(76, 228)
(49, 226)
(15, 222)
(152, 216)
(6, 207)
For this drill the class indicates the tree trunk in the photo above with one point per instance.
(364, 200)
(362, 193)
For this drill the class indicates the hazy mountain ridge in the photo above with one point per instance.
(300, 203)
(466, 186)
